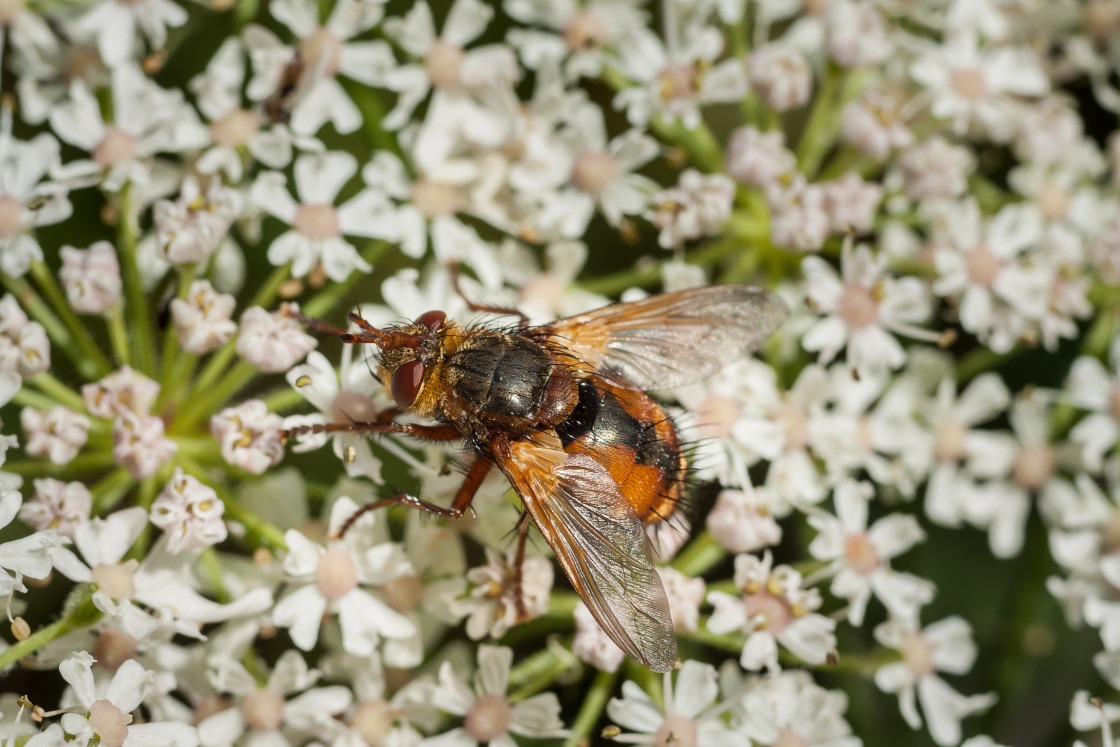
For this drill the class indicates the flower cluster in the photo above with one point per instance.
(922, 458)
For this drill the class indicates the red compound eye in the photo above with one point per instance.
(433, 320)
(406, 383)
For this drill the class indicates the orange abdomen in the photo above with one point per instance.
(633, 437)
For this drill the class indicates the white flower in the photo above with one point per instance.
(114, 24)
(108, 708)
(497, 601)
(852, 203)
(58, 434)
(349, 395)
(945, 646)
(189, 512)
(1093, 387)
(758, 158)
(741, 521)
(859, 556)
(773, 609)
(249, 436)
(139, 444)
(698, 206)
(28, 556)
(972, 86)
(123, 391)
(333, 578)
(488, 716)
(317, 225)
(25, 349)
(935, 168)
(271, 710)
(22, 168)
(874, 124)
(191, 228)
(685, 595)
(203, 318)
(57, 505)
(274, 341)
(781, 77)
(857, 34)
(799, 219)
(91, 277)
(863, 305)
(143, 598)
(691, 713)
(592, 644)
(790, 707)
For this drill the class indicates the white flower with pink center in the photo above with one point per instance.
(23, 165)
(862, 306)
(691, 716)
(124, 390)
(105, 709)
(489, 717)
(575, 36)
(858, 557)
(986, 264)
(498, 602)
(944, 646)
(979, 87)
(772, 609)
(139, 444)
(270, 712)
(190, 513)
(249, 436)
(203, 319)
(146, 120)
(91, 277)
(58, 434)
(272, 342)
(148, 599)
(348, 395)
(318, 226)
(25, 349)
(57, 505)
(336, 579)
(324, 52)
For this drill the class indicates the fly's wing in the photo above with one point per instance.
(671, 339)
(599, 541)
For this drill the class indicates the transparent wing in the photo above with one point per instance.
(600, 543)
(670, 339)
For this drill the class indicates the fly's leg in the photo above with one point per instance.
(416, 430)
(475, 475)
(325, 328)
(453, 267)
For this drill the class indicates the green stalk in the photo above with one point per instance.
(38, 310)
(110, 489)
(171, 348)
(78, 332)
(648, 276)
(140, 318)
(283, 399)
(325, 300)
(816, 139)
(35, 641)
(79, 466)
(594, 701)
(58, 391)
(700, 555)
(118, 336)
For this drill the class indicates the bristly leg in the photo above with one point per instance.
(467, 491)
(518, 563)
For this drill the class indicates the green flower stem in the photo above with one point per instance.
(141, 323)
(110, 489)
(373, 112)
(26, 397)
(79, 466)
(171, 348)
(212, 567)
(35, 641)
(650, 275)
(269, 533)
(817, 137)
(1101, 333)
(244, 11)
(984, 359)
(118, 335)
(731, 643)
(211, 400)
(537, 671)
(58, 391)
(700, 555)
(38, 310)
(594, 701)
(283, 399)
(78, 332)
